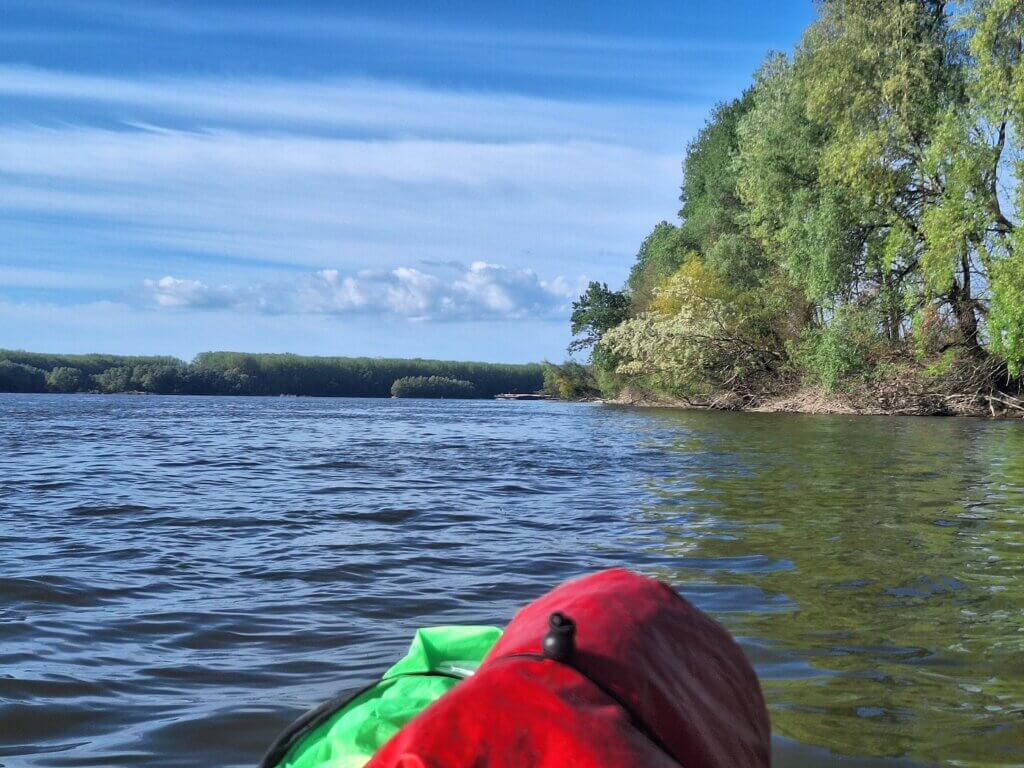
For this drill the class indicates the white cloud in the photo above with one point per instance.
(217, 190)
(482, 291)
(172, 292)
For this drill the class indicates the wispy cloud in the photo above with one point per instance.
(359, 107)
(480, 291)
(29, 277)
(361, 174)
(311, 200)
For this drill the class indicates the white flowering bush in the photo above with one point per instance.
(698, 336)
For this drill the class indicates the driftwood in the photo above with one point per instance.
(970, 385)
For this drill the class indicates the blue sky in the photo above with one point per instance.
(385, 178)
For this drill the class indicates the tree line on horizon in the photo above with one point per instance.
(851, 220)
(236, 373)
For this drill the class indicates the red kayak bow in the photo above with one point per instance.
(613, 670)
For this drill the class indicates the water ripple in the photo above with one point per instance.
(180, 577)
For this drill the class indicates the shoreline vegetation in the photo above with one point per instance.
(849, 237)
(443, 387)
(238, 373)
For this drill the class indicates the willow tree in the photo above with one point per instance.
(809, 228)
(712, 210)
(917, 106)
(992, 130)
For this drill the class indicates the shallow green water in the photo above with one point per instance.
(884, 557)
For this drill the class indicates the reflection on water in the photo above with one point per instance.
(875, 571)
(180, 577)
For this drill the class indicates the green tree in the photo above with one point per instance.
(160, 379)
(871, 180)
(806, 227)
(570, 381)
(66, 379)
(712, 210)
(661, 253)
(16, 377)
(596, 311)
(903, 143)
(440, 387)
(995, 124)
(236, 373)
(117, 379)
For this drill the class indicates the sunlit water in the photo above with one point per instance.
(180, 577)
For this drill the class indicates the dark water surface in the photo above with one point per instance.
(180, 577)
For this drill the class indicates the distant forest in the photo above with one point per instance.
(237, 373)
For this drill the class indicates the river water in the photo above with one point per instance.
(180, 577)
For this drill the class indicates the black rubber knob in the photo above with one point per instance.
(560, 639)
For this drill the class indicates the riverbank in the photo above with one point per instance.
(818, 400)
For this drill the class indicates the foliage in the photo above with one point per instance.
(89, 364)
(433, 387)
(18, 377)
(66, 379)
(1007, 316)
(159, 378)
(910, 144)
(233, 373)
(806, 227)
(845, 347)
(570, 381)
(660, 254)
(116, 379)
(858, 203)
(712, 210)
(359, 376)
(594, 312)
(699, 334)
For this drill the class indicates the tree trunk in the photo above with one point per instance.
(964, 306)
